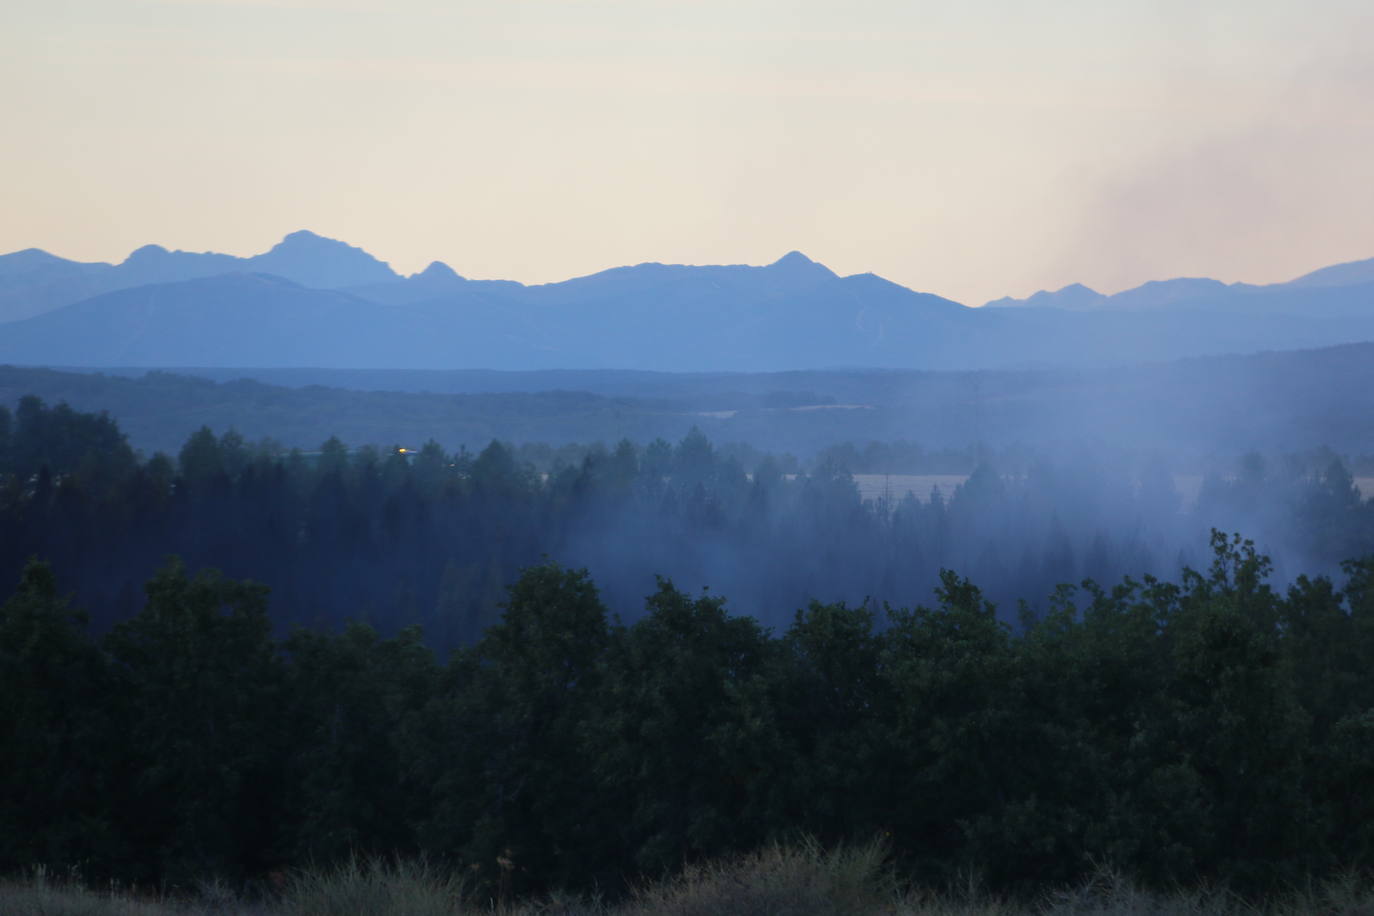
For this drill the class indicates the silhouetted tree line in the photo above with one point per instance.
(395, 538)
(1210, 729)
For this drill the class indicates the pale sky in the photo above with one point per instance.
(971, 148)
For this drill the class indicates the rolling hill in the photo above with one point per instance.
(1275, 402)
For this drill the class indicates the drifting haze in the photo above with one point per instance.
(978, 150)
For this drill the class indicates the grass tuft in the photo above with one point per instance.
(371, 888)
(802, 880)
(1109, 893)
(798, 880)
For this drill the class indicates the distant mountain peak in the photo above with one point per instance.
(29, 259)
(305, 240)
(1347, 274)
(792, 259)
(146, 253)
(438, 270)
(1073, 296)
(321, 262)
(794, 262)
(1167, 293)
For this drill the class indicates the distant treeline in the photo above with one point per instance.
(1190, 410)
(395, 538)
(1210, 730)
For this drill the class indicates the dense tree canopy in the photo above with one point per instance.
(1213, 723)
(423, 537)
(1182, 731)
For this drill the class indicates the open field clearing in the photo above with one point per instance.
(895, 487)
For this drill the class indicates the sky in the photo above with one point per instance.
(973, 149)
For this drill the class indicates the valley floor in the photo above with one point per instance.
(895, 487)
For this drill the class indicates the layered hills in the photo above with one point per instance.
(1332, 292)
(1190, 409)
(33, 282)
(312, 301)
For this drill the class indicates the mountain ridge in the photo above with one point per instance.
(33, 281)
(1204, 292)
(273, 309)
(318, 261)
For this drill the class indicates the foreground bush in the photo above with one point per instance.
(1207, 732)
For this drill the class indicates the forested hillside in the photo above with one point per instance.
(433, 537)
(808, 663)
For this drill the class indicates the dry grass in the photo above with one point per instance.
(364, 889)
(801, 880)
(42, 895)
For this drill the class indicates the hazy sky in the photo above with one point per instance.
(973, 148)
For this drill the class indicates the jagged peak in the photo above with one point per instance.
(314, 260)
(307, 243)
(303, 241)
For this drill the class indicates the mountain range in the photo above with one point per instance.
(313, 301)
(33, 282)
(1335, 291)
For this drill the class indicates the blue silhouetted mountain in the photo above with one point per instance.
(28, 260)
(1341, 291)
(1073, 296)
(155, 264)
(648, 317)
(313, 260)
(251, 319)
(1161, 293)
(1349, 274)
(434, 282)
(33, 281)
(1154, 294)
(327, 304)
(793, 312)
